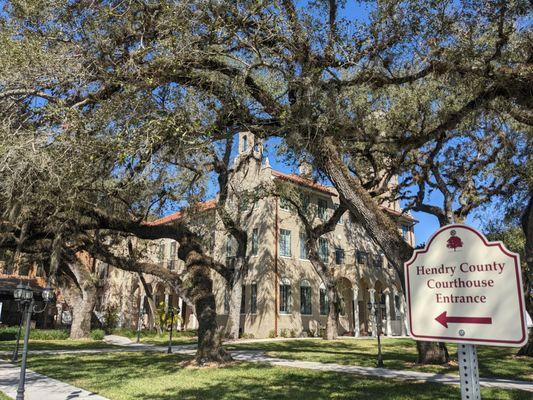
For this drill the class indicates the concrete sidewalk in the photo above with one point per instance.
(40, 387)
(379, 372)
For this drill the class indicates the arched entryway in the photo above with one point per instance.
(346, 322)
(364, 311)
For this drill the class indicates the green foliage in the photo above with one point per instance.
(10, 333)
(49, 334)
(511, 235)
(272, 334)
(110, 319)
(168, 315)
(97, 334)
(247, 336)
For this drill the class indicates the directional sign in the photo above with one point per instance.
(462, 288)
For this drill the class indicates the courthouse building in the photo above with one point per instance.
(283, 295)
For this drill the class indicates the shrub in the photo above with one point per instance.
(110, 319)
(97, 334)
(49, 334)
(35, 334)
(292, 333)
(9, 333)
(247, 336)
(272, 334)
(284, 333)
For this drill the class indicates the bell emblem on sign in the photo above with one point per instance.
(454, 241)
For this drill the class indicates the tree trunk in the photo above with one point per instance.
(151, 303)
(378, 226)
(79, 291)
(376, 223)
(527, 227)
(333, 312)
(432, 353)
(82, 311)
(234, 315)
(209, 335)
(527, 349)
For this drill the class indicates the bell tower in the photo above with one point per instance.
(249, 144)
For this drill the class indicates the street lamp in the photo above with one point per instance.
(24, 297)
(373, 309)
(171, 310)
(140, 322)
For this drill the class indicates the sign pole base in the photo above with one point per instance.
(468, 371)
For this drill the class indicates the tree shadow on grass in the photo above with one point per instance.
(158, 376)
(282, 383)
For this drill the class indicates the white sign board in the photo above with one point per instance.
(462, 288)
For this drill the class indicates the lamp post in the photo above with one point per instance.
(373, 309)
(171, 311)
(24, 296)
(139, 324)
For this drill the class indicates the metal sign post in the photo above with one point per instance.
(462, 288)
(468, 372)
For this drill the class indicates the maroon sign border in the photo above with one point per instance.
(518, 276)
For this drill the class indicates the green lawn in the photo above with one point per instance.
(8, 346)
(497, 362)
(151, 337)
(4, 397)
(156, 376)
(163, 340)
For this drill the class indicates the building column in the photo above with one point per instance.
(388, 325)
(167, 300)
(402, 315)
(372, 318)
(180, 306)
(356, 311)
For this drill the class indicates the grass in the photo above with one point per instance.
(163, 340)
(8, 346)
(156, 376)
(498, 362)
(151, 337)
(4, 397)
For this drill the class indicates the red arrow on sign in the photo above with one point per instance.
(443, 319)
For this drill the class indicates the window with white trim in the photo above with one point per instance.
(305, 297)
(284, 243)
(303, 249)
(253, 298)
(285, 296)
(323, 251)
(324, 301)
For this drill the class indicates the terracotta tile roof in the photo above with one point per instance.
(399, 214)
(208, 205)
(299, 180)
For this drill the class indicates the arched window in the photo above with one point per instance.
(305, 297)
(285, 296)
(324, 300)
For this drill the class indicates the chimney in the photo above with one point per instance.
(305, 169)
